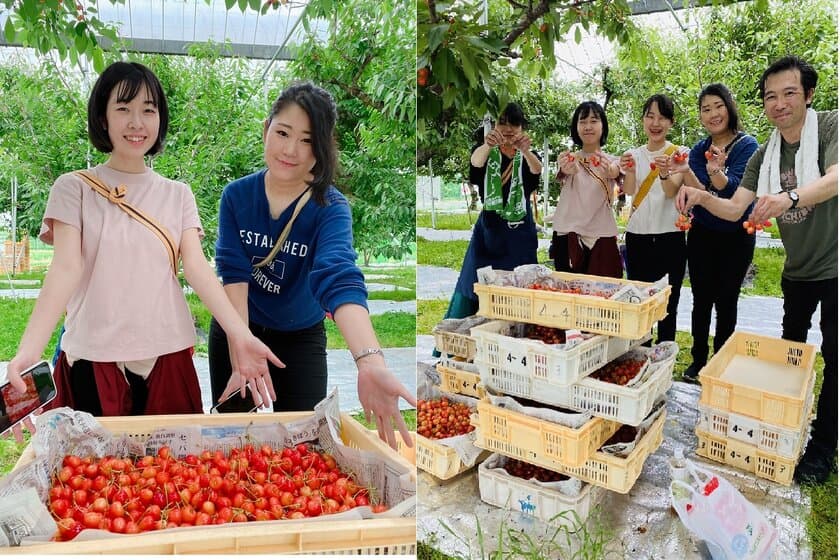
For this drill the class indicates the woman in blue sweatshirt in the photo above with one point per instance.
(283, 289)
(719, 251)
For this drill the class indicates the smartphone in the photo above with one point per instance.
(234, 403)
(40, 389)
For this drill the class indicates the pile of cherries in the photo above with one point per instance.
(135, 495)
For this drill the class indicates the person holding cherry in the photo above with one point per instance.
(654, 238)
(506, 171)
(585, 236)
(719, 250)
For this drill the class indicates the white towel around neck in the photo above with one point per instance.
(806, 163)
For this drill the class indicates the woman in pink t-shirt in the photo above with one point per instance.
(585, 234)
(129, 333)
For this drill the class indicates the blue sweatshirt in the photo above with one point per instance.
(736, 164)
(314, 271)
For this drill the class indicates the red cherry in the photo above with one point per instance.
(708, 154)
(652, 166)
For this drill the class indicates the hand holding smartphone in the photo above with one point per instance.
(234, 403)
(40, 390)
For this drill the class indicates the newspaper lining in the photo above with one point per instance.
(63, 431)
(529, 274)
(427, 389)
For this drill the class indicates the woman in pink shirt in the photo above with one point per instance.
(129, 333)
(585, 233)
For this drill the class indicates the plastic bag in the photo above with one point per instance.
(715, 511)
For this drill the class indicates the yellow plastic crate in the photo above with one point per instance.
(761, 377)
(406, 453)
(518, 435)
(441, 461)
(775, 440)
(601, 469)
(746, 457)
(351, 537)
(454, 380)
(455, 344)
(573, 311)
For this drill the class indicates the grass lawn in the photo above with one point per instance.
(446, 221)
(449, 254)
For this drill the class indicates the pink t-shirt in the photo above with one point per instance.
(128, 305)
(582, 206)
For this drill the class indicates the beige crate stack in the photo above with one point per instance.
(755, 405)
(530, 369)
(457, 350)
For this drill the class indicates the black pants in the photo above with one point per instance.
(86, 395)
(717, 264)
(801, 299)
(299, 386)
(652, 256)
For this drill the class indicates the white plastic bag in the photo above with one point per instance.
(711, 508)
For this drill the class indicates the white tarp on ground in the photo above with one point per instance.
(644, 525)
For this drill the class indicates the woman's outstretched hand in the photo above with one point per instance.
(380, 392)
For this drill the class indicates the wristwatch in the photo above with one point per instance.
(794, 197)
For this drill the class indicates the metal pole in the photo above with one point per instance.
(432, 189)
(546, 163)
(14, 224)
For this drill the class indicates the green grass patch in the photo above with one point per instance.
(428, 552)
(403, 276)
(441, 253)
(409, 416)
(10, 452)
(14, 315)
(394, 329)
(822, 523)
(429, 314)
(458, 220)
(393, 295)
(768, 263)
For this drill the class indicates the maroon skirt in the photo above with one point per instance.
(172, 386)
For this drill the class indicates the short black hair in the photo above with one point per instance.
(807, 75)
(584, 110)
(513, 115)
(130, 78)
(319, 105)
(723, 92)
(663, 103)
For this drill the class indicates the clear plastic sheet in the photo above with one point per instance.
(642, 523)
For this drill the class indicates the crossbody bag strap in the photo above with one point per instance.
(117, 196)
(304, 198)
(600, 180)
(644, 188)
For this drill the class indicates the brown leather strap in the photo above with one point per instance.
(304, 198)
(600, 179)
(117, 196)
(507, 173)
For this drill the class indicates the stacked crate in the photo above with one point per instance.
(458, 381)
(755, 405)
(530, 369)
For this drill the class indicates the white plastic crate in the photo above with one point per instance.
(628, 405)
(496, 346)
(778, 440)
(506, 491)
